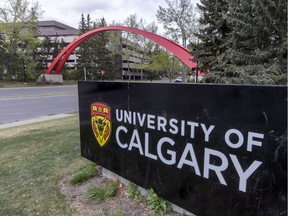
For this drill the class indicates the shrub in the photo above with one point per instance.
(102, 192)
(83, 174)
(156, 204)
(134, 193)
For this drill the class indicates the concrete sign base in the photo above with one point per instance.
(50, 79)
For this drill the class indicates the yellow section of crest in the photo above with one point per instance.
(101, 127)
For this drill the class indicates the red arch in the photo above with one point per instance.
(179, 51)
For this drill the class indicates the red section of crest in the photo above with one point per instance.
(179, 51)
(101, 109)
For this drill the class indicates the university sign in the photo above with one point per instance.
(210, 149)
(166, 153)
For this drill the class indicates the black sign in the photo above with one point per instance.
(210, 149)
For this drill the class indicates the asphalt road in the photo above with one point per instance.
(17, 104)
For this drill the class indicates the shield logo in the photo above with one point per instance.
(101, 122)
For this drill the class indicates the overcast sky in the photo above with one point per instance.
(69, 11)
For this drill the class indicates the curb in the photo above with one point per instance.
(40, 119)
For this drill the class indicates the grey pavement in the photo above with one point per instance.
(25, 108)
(6, 93)
(20, 106)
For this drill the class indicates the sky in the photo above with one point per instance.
(69, 11)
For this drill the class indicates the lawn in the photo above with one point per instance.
(14, 84)
(33, 159)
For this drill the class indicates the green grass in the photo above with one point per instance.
(33, 159)
(83, 174)
(156, 204)
(102, 192)
(134, 193)
(14, 84)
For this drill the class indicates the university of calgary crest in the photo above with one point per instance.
(101, 122)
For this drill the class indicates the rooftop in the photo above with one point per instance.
(52, 28)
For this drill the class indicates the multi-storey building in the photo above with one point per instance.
(131, 55)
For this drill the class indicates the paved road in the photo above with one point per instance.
(17, 104)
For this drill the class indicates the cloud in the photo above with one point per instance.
(88, 6)
(69, 12)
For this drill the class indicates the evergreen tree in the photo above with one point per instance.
(103, 61)
(258, 44)
(213, 34)
(81, 49)
(47, 50)
(45, 53)
(84, 52)
(56, 49)
(255, 51)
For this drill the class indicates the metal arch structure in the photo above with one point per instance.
(180, 52)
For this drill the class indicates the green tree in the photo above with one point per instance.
(115, 47)
(84, 52)
(258, 45)
(213, 34)
(18, 22)
(179, 18)
(103, 60)
(161, 63)
(45, 53)
(146, 45)
(2, 55)
(256, 49)
(137, 44)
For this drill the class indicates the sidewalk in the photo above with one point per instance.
(40, 119)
